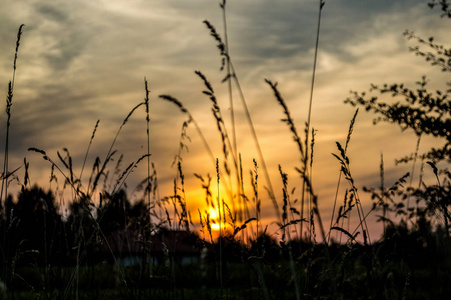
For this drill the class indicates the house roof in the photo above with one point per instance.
(129, 241)
(175, 241)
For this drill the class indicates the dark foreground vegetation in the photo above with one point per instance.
(45, 259)
(105, 246)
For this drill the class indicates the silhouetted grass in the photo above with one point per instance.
(108, 247)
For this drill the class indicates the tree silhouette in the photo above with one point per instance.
(113, 214)
(427, 113)
(34, 227)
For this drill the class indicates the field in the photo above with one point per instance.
(103, 243)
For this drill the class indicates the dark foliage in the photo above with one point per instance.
(427, 113)
(34, 230)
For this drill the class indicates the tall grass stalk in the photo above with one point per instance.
(109, 154)
(220, 225)
(9, 102)
(254, 181)
(233, 76)
(304, 186)
(182, 200)
(229, 83)
(123, 177)
(314, 197)
(304, 172)
(240, 191)
(382, 188)
(257, 143)
(226, 143)
(286, 232)
(146, 103)
(191, 119)
(184, 110)
(345, 168)
(87, 151)
(5, 174)
(306, 179)
(348, 138)
(148, 187)
(226, 61)
(415, 157)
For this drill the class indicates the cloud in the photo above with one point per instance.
(63, 33)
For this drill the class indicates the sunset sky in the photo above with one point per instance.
(83, 61)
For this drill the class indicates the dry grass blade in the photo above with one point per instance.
(221, 46)
(19, 34)
(26, 176)
(121, 180)
(346, 170)
(351, 129)
(38, 151)
(351, 237)
(176, 102)
(288, 120)
(303, 171)
(207, 84)
(219, 121)
(110, 152)
(146, 103)
(9, 101)
(292, 222)
(89, 147)
(67, 178)
(343, 154)
(238, 229)
(199, 131)
(226, 143)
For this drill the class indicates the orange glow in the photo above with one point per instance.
(213, 214)
(214, 219)
(215, 226)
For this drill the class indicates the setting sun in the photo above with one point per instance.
(213, 214)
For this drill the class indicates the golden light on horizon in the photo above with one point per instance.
(215, 226)
(213, 213)
(214, 219)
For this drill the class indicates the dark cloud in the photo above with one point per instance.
(68, 48)
(63, 32)
(51, 12)
(263, 30)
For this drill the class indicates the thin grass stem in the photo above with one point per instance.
(321, 5)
